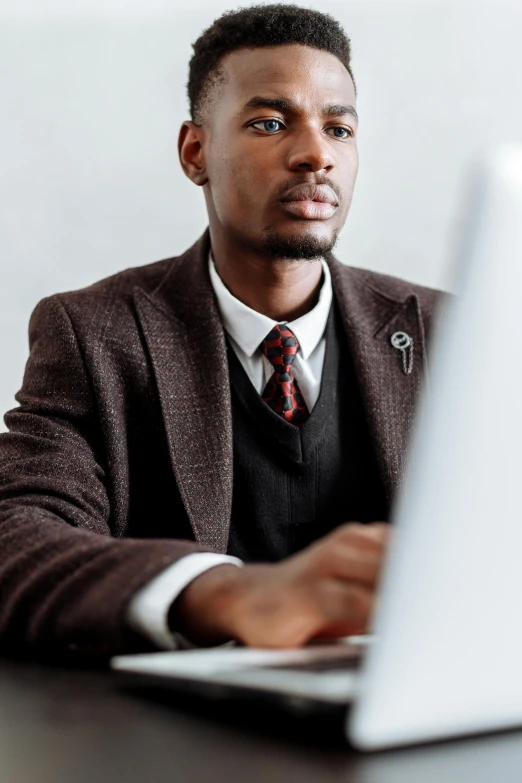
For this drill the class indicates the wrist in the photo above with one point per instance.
(204, 611)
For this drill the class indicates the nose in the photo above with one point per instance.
(310, 151)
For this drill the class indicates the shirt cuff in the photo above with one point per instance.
(148, 609)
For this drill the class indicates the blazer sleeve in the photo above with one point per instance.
(65, 580)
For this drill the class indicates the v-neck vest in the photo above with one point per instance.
(292, 484)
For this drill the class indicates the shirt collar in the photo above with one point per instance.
(248, 328)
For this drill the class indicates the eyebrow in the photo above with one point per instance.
(286, 105)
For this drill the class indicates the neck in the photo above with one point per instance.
(282, 289)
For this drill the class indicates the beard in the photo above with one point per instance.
(295, 248)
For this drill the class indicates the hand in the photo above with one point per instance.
(326, 590)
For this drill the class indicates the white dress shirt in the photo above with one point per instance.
(246, 330)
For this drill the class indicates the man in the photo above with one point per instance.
(194, 436)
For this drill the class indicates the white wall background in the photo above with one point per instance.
(92, 94)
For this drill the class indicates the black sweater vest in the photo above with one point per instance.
(292, 484)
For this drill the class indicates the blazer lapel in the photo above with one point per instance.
(389, 395)
(186, 342)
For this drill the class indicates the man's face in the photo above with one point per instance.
(280, 150)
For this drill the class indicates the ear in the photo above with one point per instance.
(191, 154)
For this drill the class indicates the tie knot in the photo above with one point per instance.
(280, 347)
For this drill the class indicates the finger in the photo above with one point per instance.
(345, 609)
(373, 535)
(353, 563)
(347, 557)
(331, 609)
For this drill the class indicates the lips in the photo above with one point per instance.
(312, 202)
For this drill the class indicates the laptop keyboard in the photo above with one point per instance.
(344, 665)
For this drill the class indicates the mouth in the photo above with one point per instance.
(311, 202)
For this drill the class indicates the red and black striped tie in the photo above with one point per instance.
(282, 392)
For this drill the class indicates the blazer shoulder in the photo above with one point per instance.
(121, 284)
(394, 288)
(105, 307)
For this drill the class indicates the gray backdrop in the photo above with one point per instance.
(93, 92)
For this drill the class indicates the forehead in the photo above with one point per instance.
(307, 75)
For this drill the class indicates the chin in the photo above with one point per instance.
(305, 245)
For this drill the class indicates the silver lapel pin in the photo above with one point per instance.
(404, 343)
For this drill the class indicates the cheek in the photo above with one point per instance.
(355, 163)
(239, 184)
(231, 192)
(349, 163)
(349, 168)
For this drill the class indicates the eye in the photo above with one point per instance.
(270, 126)
(341, 133)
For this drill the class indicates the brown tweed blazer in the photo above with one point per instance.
(118, 460)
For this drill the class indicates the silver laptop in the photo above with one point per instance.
(445, 658)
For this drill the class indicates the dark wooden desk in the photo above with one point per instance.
(73, 726)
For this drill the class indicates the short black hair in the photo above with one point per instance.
(260, 25)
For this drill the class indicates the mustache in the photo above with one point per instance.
(292, 182)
